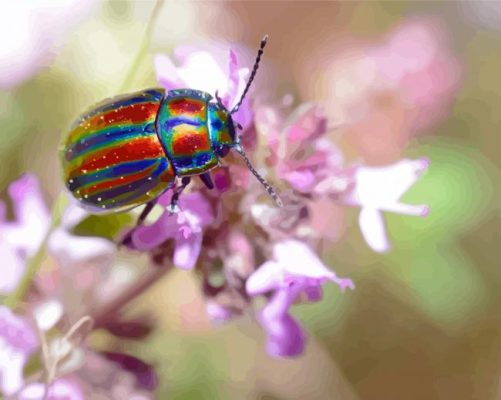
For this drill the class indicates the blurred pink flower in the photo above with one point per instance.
(17, 342)
(199, 70)
(416, 60)
(295, 270)
(379, 189)
(70, 249)
(32, 216)
(30, 32)
(20, 239)
(185, 227)
(61, 389)
(382, 92)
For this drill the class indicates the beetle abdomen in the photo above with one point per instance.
(113, 159)
(183, 131)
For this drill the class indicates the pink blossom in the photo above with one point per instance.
(17, 342)
(20, 239)
(378, 189)
(61, 389)
(199, 70)
(294, 271)
(301, 152)
(416, 60)
(70, 249)
(79, 258)
(29, 32)
(185, 228)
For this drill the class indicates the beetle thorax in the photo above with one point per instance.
(222, 131)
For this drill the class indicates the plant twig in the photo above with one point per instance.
(143, 48)
(108, 310)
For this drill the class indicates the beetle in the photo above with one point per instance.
(128, 150)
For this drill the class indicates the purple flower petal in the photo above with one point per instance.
(166, 72)
(295, 270)
(199, 69)
(62, 389)
(151, 236)
(12, 269)
(301, 180)
(186, 227)
(314, 293)
(379, 189)
(267, 277)
(373, 228)
(218, 312)
(32, 216)
(187, 250)
(17, 341)
(285, 336)
(296, 258)
(70, 249)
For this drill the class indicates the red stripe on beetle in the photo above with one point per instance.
(189, 142)
(132, 114)
(133, 150)
(185, 106)
(121, 180)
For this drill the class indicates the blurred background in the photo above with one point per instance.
(424, 321)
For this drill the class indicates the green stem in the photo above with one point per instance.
(34, 262)
(143, 48)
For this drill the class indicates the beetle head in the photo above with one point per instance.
(231, 140)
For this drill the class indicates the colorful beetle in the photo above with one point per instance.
(129, 150)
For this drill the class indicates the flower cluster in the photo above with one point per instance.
(254, 257)
(61, 302)
(237, 233)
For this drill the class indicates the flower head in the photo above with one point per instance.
(199, 70)
(61, 389)
(17, 341)
(379, 189)
(295, 271)
(185, 228)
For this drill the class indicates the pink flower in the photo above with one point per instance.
(311, 164)
(70, 250)
(61, 389)
(199, 70)
(379, 189)
(17, 342)
(32, 216)
(29, 32)
(417, 61)
(82, 261)
(185, 228)
(294, 271)
(20, 239)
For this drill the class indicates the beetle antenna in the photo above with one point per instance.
(253, 74)
(274, 195)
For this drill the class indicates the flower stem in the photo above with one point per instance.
(34, 263)
(143, 48)
(107, 311)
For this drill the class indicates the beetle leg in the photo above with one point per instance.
(173, 208)
(127, 239)
(207, 180)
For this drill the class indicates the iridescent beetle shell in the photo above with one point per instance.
(129, 150)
